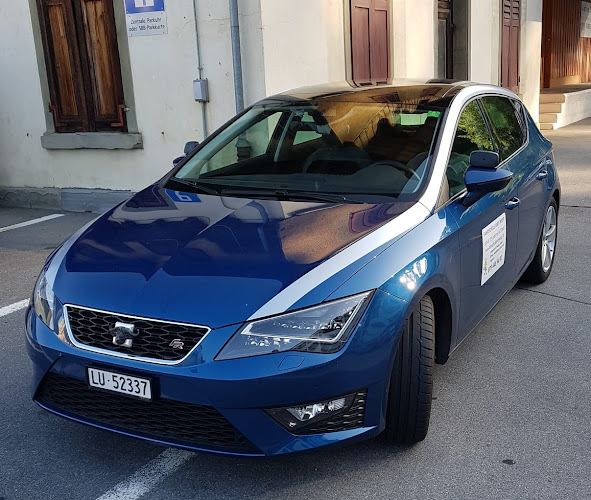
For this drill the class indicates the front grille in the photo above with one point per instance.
(352, 418)
(163, 419)
(92, 328)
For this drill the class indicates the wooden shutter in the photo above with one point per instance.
(370, 41)
(83, 68)
(101, 62)
(379, 41)
(510, 45)
(445, 39)
(62, 59)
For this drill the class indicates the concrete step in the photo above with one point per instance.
(547, 126)
(548, 118)
(552, 98)
(550, 108)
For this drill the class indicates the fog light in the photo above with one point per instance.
(296, 417)
(305, 413)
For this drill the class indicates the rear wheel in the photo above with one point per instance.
(409, 403)
(541, 267)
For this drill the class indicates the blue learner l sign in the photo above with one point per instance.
(141, 6)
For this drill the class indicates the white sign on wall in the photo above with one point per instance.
(586, 20)
(146, 17)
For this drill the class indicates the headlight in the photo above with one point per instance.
(44, 301)
(324, 328)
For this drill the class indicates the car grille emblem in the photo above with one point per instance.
(123, 334)
(177, 344)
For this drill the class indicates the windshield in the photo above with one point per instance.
(340, 148)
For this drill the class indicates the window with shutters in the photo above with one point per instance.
(510, 44)
(83, 67)
(445, 39)
(370, 41)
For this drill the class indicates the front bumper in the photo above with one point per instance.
(224, 399)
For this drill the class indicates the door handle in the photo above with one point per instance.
(542, 175)
(513, 203)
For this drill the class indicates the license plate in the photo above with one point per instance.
(123, 384)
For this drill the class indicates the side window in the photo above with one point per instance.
(250, 144)
(471, 135)
(306, 135)
(506, 126)
(521, 115)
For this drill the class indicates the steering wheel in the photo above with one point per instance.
(409, 172)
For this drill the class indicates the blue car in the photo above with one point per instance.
(291, 283)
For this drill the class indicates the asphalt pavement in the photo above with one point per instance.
(511, 412)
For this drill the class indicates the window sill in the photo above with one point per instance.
(92, 140)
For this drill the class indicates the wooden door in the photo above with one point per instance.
(370, 41)
(510, 45)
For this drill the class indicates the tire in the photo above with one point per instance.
(411, 384)
(540, 268)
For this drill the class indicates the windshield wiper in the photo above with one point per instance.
(284, 194)
(197, 185)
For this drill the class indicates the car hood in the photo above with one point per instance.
(205, 259)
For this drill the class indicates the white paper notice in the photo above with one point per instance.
(146, 17)
(147, 23)
(494, 246)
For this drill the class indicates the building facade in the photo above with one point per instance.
(99, 94)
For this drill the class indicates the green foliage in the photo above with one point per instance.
(507, 130)
(473, 128)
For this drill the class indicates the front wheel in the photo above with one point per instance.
(411, 385)
(541, 267)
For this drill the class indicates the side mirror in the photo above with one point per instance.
(480, 180)
(190, 146)
(484, 159)
(483, 176)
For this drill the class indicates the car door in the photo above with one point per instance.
(487, 228)
(529, 167)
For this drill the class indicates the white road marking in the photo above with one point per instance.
(5, 311)
(31, 222)
(155, 471)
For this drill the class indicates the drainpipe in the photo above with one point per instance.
(200, 70)
(243, 148)
(236, 56)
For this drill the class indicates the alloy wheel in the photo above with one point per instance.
(549, 239)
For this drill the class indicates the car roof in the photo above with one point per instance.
(436, 93)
